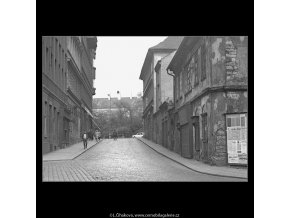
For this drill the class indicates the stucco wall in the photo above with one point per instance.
(166, 80)
(229, 59)
(222, 103)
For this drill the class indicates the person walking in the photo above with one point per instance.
(85, 140)
(115, 135)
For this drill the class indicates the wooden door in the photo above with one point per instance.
(196, 134)
(204, 137)
(185, 140)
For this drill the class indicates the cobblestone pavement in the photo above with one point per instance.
(122, 160)
(64, 171)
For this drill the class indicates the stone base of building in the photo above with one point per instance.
(219, 159)
(45, 147)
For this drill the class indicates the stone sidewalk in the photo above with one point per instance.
(69, 152)
(197, 166)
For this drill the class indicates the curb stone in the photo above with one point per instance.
(212, 174)
(74, 156)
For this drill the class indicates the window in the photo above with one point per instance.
(204, 127)
(55, 48)
(54, 121)
(190, 71)
(196, 79)
(50, 61)
(238, 120)
(203, 62)
(50, 120)
(43, 55)
(45, 120)
(47, 61)
(55, 70)
(59, 53)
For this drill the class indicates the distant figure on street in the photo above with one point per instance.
(115, 135)
(85, 140)
(97, 135)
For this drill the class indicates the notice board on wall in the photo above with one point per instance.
(237, 145)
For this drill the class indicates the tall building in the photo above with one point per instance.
(151, 97)
(164, 99)
(210, 99)
(67, 89)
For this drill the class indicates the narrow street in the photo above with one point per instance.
(122, 160)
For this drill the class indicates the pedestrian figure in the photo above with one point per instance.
(85, 140)
(115, 135)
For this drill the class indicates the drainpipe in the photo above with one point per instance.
(178, 124)
(173, 75)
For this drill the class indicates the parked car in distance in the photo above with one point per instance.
(139, 134)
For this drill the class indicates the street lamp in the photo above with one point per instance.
(119, 95)
(110, 116)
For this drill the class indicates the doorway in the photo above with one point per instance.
(204, 137)
(196, 135)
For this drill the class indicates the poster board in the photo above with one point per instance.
(237, 145)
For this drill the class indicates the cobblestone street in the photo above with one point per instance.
(122, 160)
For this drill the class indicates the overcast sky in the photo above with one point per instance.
(118, 64)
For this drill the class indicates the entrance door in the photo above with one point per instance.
(196, 136)
(204, 137)
(165, 134)
(185, 140)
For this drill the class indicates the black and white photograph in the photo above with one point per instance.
(145, 108)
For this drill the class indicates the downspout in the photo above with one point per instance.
(173, 75)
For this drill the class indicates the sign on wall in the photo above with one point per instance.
(237, 139)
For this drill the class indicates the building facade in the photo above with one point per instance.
(210, 99)
(67, 84)
(151, 90)
(164, 100)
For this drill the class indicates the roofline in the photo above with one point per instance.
(149, 55)
(180, 51)
(169, 67)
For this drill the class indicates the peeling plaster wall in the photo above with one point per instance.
(223, 102)
(226, 64)
(216, 105)
(202, 84)
(217, 61)
(156, 57)
(217, 132)
(229, 59)
(166, 80)
(202, 105)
